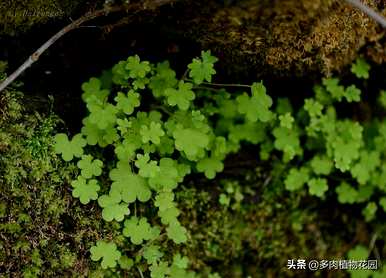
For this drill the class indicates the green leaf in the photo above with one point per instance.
(359, 252)
(164, 78)
(369, 211)
(168, 176)
(190, 141)
(313, 107)
(112, 207)
(346, 193)
(94, 88)
(152, 133)
(169, 215)
(126, 150)
(176, 232)
(67, 148)
(136, 68)
(296, 178)
(257, 106)
(345, 144)
(286, 120)
(210, 166)
(317, 186)
(127, 102)
(368, 163)
(147, 168)
(152, 254)
(353, 94)
(224, 199)
(321, 165)
(181, 97)
(202, 69)
(103, 117)
(382, 203)
(382, 99)
(159, 270)
(130, 186)
(90, 167)
(84, 190)
(107, 251)
(164, 201)
(287, 140)
(137, 230)
(332, 86)
(125, 263)
(94, 135)
(180, 261)
(360, 68)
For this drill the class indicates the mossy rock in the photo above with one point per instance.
(283, 37)
(19, 16)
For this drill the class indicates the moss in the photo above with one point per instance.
(255, 236)
(43, 231)
(19, 16)
(283, 37)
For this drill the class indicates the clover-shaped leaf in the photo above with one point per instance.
(160, 270)
(136, 68)
(202, 69)
(210, 166)
(85, 190)
(176, 232)
(68, 148)
(90, 167)
(126, 150)
(180, 261)
(169, 215)
(103, 117)
(107, 251)
(94, 88)
(313, 107)
(346, 193)
(332, 86)
(130, 186)
(152, 254)
(257, 106)
(112, 206)
(147, 168)
(287, 140)
(164, 78)
(353, 94)
(127, 103)
(296, 178)
(164, 201)
(190, 141)
(181, 97)
(322, 165)
(137, 230)
(286, 120)
(360, 68)
(95, 135)
(152, 133)
(317, 186)
(168, 176)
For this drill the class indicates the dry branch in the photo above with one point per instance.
(141, 6)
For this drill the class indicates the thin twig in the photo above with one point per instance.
(369, 11)
(145, 5)
(220, 84)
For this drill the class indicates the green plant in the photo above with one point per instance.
(189, 126)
